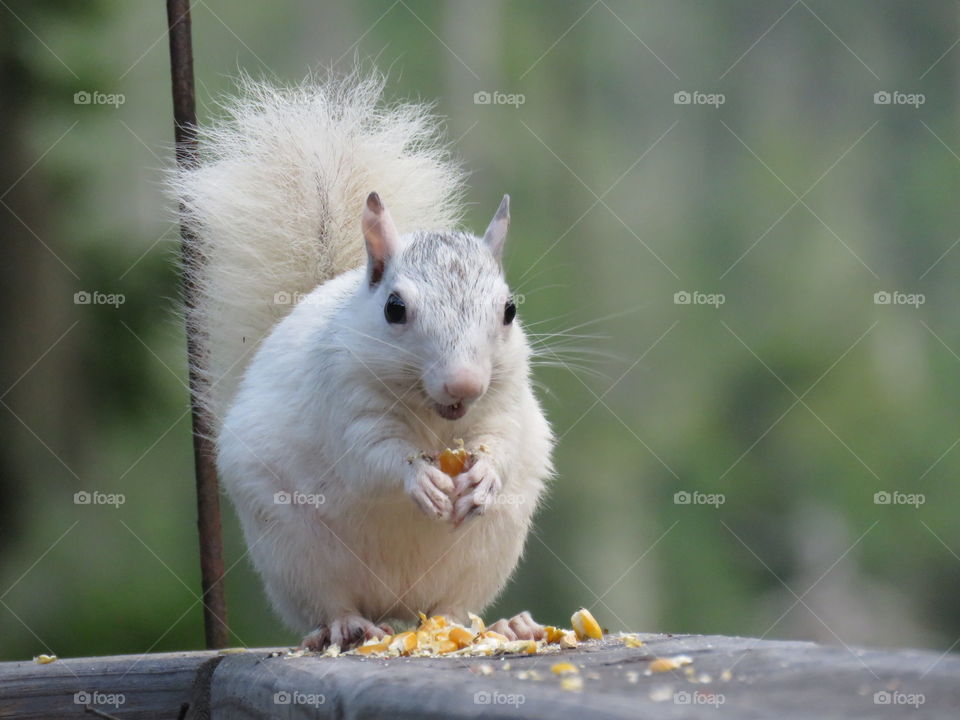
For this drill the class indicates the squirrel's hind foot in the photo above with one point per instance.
(346, 631)
(520, 627)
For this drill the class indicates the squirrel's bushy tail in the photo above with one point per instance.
(276, 200)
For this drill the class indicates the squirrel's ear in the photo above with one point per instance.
(380, 234)
(496, 233)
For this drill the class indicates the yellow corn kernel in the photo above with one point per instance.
(668, 664)
(521, 646)
(494, 635)
(553, 633)
(404, 642)
(569, 640)
(572, 683)
(373, 648)
(461, 636)
(632, 641)
(453, 461)
(564, 668)
(532, 647)
(45, 659)
(476, 623)
(447, 646)
(585, 625)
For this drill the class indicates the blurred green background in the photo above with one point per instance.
(798, 398)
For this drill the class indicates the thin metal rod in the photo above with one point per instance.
(216, 630)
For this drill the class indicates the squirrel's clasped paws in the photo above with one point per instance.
(475, 490)
(468, 495)
(430, 488)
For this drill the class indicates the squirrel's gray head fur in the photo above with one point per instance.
(440, 298)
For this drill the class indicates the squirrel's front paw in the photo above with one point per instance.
(475, 490)
(430, 488)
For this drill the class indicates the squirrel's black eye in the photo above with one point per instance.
(395, 311)
(509, 312)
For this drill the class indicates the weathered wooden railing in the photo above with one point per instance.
(729, 677)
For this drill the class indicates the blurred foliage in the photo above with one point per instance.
(798, 398)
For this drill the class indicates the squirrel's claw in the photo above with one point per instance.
(317, 640)
(351, 630)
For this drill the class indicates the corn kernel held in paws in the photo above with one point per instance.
(453, 461)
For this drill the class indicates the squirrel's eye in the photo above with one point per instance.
(395, 311)
(509, 312)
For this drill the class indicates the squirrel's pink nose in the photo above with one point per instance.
(464, 384)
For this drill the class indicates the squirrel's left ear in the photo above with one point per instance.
(380, 235)
(496, 233)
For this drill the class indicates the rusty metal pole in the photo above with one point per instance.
(208, 495)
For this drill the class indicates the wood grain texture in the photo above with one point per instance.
(767, 679)
(770, 679)
(149, 686)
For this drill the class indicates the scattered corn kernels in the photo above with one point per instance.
(436, 635)
(564, 668)
(585, 625)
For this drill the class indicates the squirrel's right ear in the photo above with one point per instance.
(496, 234)
(381, 236)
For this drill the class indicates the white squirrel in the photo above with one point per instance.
(362, 366)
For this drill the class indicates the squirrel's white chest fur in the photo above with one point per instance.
(308, 454)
